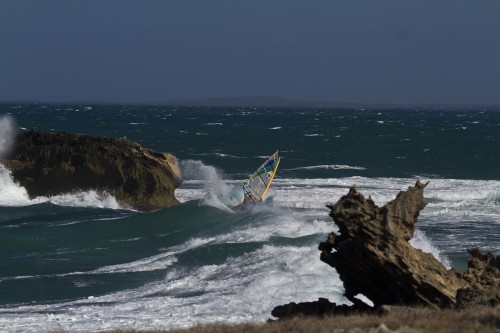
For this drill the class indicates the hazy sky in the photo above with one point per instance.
(376, 51)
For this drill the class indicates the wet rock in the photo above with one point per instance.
(51, 164)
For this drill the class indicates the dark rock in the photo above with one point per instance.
(373, 256)
(483, 278)
(469, 297)
(51, 164)
(319, 308)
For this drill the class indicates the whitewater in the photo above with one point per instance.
(82, 262)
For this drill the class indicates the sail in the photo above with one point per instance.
(256, 187)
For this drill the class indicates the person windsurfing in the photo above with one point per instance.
(257, 186)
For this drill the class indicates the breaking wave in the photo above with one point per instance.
(217, 191)
(329, 167)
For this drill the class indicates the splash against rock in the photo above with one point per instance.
(51, 164)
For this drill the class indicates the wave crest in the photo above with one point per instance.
(329, 167)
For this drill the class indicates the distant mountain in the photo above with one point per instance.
(259, 101)
(273, 101)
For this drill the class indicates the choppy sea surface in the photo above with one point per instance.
(82, 262)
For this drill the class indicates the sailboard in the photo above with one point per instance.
(256, 187)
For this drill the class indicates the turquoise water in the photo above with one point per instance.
(82, 262)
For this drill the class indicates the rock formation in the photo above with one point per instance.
(373, 257)
(319, 308)
(483, 279)
(50, 164)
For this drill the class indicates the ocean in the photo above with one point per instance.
(82, 262)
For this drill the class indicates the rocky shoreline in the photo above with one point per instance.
(50, 164)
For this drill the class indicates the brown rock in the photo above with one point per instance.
(483, 278)
(373, 256)
(50, 164)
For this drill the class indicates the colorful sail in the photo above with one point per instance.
(256, 187)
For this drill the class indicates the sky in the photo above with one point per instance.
(362, 51)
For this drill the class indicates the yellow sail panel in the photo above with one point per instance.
(271, 180)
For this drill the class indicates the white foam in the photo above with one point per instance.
(271, 222)
(154, 263)
(11, 193)
(239, 290)
(14, 195)
(364, 299)
(87, 199)
(226, 155)
(329, 166)
(420, 241)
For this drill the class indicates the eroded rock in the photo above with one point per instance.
(51, 164)
(373, 257)
(483, 279)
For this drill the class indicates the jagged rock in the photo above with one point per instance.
(483, 277)
(373, 256)
(50, 164)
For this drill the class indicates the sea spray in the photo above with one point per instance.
(14, 195)
(421, 241)
(218, 192)
(87, 199)
(7, 134)
(11, 193)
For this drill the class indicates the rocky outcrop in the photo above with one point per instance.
(483, 279)
(50, 164)
(373, 256)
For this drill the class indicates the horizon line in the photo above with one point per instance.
(263, 101)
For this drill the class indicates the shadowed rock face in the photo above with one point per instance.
(373, 256)
(50, 164)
